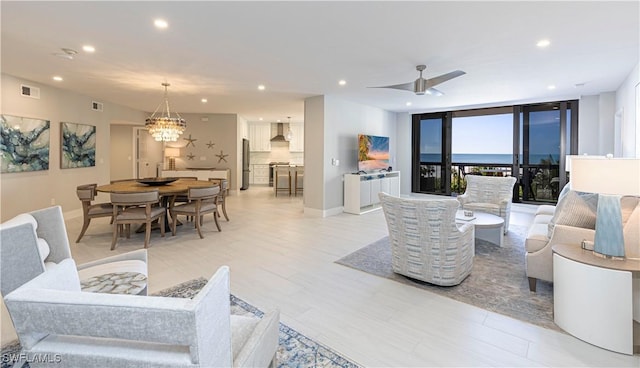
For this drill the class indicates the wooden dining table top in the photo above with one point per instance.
(177, 187)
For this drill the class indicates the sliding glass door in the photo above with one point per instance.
(546, 139)
(529, 142)
(432, 158)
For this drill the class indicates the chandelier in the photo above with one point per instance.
(164, 127)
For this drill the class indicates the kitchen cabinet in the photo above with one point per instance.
(296, 144)
(260, 137)
(260, 174)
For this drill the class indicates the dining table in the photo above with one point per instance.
(166, 189)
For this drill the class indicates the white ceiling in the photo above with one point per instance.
(223, 50)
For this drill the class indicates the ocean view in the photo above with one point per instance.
(481, 158)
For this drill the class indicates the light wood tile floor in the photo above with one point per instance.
(281, 258)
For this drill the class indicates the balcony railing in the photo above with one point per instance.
(541, 182)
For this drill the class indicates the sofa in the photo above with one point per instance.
(572, 221)
(55, 317)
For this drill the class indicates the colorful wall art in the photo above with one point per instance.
(78, 145)
(24, 144)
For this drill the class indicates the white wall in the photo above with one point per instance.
(314, 137)
(341, 123)
(404, 150)
(627, 101)
(219, 129)
(21, 192)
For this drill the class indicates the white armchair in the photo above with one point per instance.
(426, 242)
(53, 318)
(30, 243)
(490, 194)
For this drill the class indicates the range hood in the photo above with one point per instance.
(280, 135)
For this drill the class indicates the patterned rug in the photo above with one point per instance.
(497, 282)
(294, 350)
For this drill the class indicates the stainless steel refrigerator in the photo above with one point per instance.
(245, 164)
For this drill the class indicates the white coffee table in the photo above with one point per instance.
(487, 226)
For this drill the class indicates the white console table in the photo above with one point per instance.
(594, 297)
(201, 174)
(361, 190)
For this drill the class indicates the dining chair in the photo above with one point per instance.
(201, 202)
(136, 208)
(298, 180)
(282, 179)
(86, 194)
(221, 199)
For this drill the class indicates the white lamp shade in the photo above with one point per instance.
(617, 176)
(172, 152)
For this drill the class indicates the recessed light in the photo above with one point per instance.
(278, 120)
(57, 78)
(260, 119)
(88, 48)
(204, 100)
(261, 87)
(551, 87)
(543, 43)
(342, 82)
(408, 104)
(160, 23)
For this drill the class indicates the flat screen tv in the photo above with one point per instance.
(373, 153)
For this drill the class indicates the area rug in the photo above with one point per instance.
(294, 350)
(497, 282)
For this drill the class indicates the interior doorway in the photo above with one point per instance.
(148, 154)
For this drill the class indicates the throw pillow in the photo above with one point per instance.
(576, 209)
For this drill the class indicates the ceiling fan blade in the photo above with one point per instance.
(432, 82)
(404, 86)
(433, 92)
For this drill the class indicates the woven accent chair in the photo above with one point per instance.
(200, 202)
(86, 194)
(221, 199)
(282, 179)
(426, 242)
(54, 319)
(489, 194)
(136, 208)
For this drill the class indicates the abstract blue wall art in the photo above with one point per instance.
(78, 145)
(24, 144)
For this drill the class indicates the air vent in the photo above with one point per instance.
(28, 91)
(96, 106)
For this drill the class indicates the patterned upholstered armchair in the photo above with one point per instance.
(489, 194)
(426, 242)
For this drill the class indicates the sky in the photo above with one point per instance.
(492, 134)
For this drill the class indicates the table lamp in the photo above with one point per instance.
(610, 178)
(172, 153)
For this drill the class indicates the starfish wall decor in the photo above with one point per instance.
(190, 156)
(190, 141)
(221, 157)
(210, 144)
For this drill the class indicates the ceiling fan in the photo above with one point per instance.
(423, 86)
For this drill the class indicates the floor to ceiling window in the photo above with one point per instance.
(529, 142)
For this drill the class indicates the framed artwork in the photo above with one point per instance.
(24, 144)
(78, 145)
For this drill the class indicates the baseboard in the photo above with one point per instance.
(314, 212)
